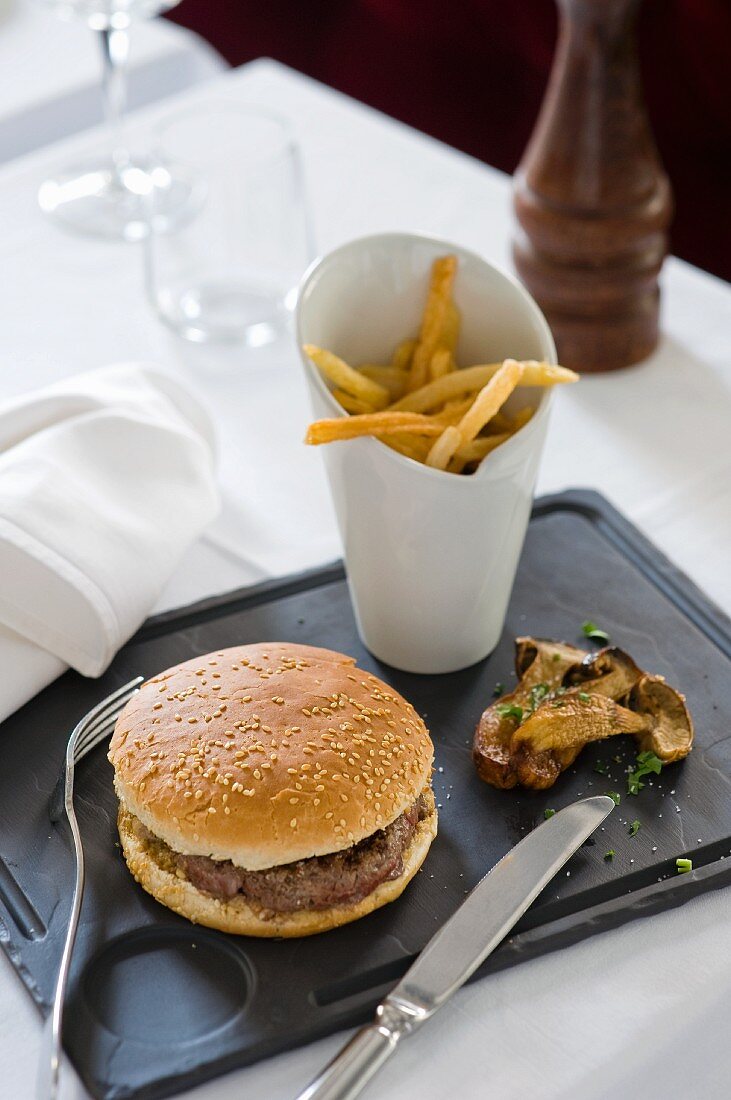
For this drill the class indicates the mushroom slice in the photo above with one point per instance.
(554, 735)
(671, 734)
(610, 672)
(542, 666)
(545, 660)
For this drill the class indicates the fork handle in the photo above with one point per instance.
(49, 1065)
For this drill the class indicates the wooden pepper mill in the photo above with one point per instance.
(591, 198)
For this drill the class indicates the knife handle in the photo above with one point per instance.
(353, 1067)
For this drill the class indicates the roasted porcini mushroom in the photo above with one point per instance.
(541, 666)
(671, 734)
(566, 698)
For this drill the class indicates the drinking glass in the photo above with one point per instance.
(228, 270)
(105, 197)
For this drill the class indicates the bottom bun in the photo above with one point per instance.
(244, 918)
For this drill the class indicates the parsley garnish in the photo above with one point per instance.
(591, 630)
(548, 813)
(498, 690)
(603, 769)
(610, 854)
(634, 828)
(585, 697)
(647, 763)
(615, 797)
(684, 865)
(537, 694)
(510, 710)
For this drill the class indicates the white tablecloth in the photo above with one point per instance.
(50, 72)
(639, 1012)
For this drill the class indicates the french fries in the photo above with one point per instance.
(391, 377)
(348, 379)
(403, 354)
(434, 321)
(383, 423)
(442, 362)
(421, 404)
(488, 401)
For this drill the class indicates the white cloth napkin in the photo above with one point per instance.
(105, 479)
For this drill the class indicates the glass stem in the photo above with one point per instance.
(115, 49)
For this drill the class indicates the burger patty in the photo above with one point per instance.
(342, 878)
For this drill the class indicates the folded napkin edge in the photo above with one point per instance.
(52, 565)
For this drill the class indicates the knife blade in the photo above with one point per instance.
(461, 945)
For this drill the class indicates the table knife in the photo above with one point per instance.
(454, 953)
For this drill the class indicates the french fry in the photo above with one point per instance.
(469, 379)
(415, 447)
(352, 404)
(490, 398)
(346, 378)
(442, 450)
(500, 422)
(521, 418)
(442, 362)
(477, 449)
(453, 411)
(447, 388)
(403, 353)
(391, 377)
(377, 423)
(443, 272)
(452, 324)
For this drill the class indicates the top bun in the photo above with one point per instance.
(265, 754)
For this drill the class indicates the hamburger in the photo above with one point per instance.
(272, 790)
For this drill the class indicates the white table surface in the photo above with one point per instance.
(639, 1012)
(50, 72)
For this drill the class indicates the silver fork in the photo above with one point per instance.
(90, 732)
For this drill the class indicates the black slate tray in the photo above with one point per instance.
(156, 1005)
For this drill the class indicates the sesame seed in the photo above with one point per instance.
(293, 823)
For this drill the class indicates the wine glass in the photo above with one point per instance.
(106, 197)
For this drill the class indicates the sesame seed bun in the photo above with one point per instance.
(244, 918)
(266, 754)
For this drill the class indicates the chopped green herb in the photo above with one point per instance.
(647, 764)
(537, 694)
(585, 697)
(510, 710)
(634, 828)
(556, 657)
(615, 797)
(684, 865)
(610, 854)
(498, 690)
(617, 759)
(603, 769)
(591, 630)
(548, 813)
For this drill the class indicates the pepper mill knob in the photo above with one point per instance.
(592, 200)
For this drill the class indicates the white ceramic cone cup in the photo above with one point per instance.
(431, 556)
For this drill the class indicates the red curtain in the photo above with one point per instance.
(472, 73)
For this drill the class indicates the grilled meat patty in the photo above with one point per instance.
(342, 878)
